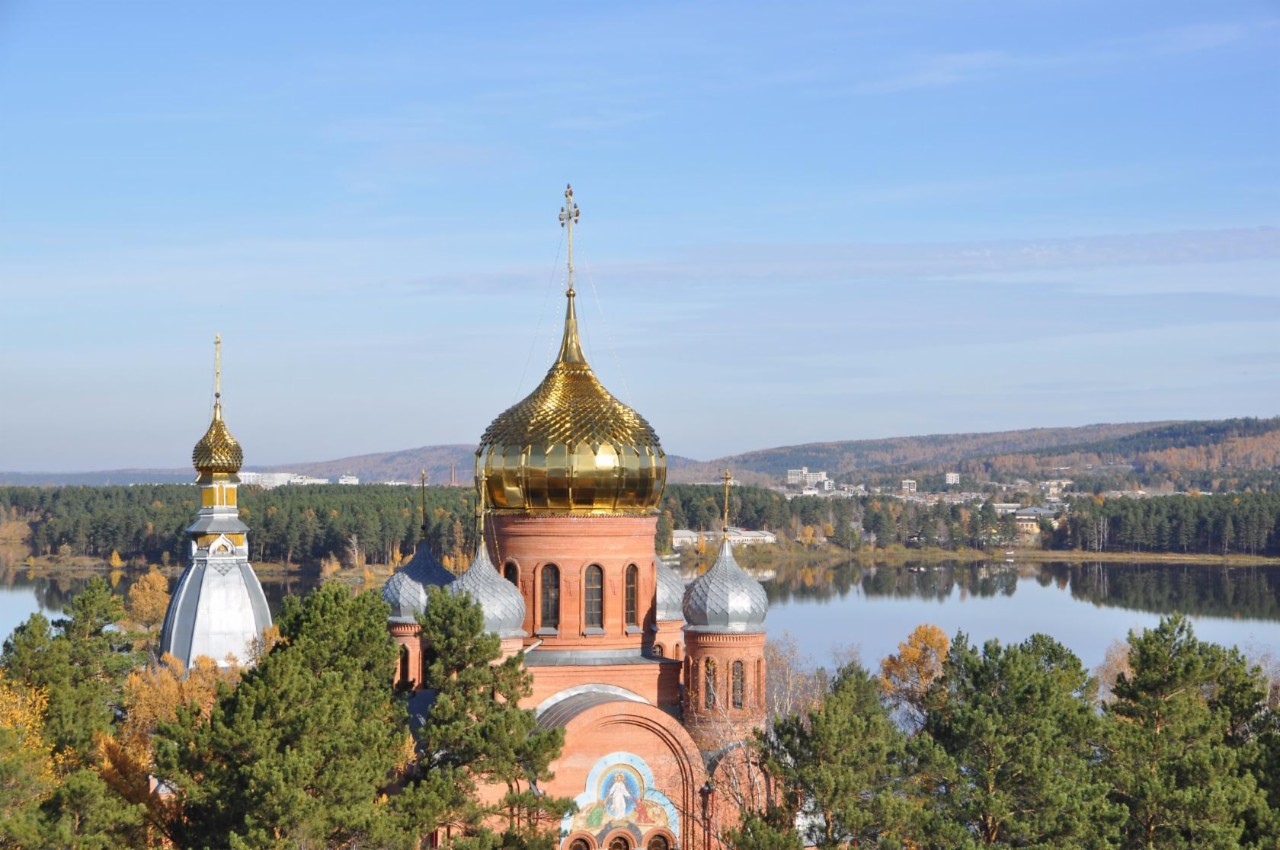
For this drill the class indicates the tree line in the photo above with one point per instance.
(377, 524)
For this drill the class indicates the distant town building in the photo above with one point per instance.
(953, 478)
(682, 537)
(271, 480)
(908, 485)
(348, 479)
(802, 477)
(1055, 487)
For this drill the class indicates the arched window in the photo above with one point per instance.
(739, 683)
(760, 682)
(593, 598)
(633, 595)
(619, 843)
(404, 665)
(677, 654)
(579, 844)
(658, 651)
(709, 683)
(511, 573)
(658, 842)
(550, 597)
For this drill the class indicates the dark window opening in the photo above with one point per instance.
(739, 683)
(593, 599)
(709, 685)
(633, 595)
(551, 597)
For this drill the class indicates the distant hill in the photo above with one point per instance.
(850, 456)
(1207, 454)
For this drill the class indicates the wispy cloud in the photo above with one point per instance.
(940, 70)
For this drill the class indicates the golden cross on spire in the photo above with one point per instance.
(568, 218)
(727, 478)
(217, 368)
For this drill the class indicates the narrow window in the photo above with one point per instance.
(709, 684)
(760, 683)
(550, 597)
(512, 573)
(657, 650)
(633, 593)
(739, 683)
(404, 665)
(593, 599)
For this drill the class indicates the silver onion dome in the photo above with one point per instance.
(406, 590)
(725, 598)
(501, 601)
(670, 594)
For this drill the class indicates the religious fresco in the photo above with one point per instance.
(620, 794)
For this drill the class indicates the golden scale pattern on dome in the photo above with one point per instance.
(570, 446)
(217, 452)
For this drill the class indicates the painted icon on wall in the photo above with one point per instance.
(620, 795)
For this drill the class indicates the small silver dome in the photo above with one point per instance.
(725, 598)
(670, 594)
(501, 600)
(406, 590)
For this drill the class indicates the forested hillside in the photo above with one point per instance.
(1214, 456)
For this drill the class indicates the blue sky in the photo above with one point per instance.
(801, 221)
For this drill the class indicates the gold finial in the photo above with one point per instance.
(568, 218)
(423, 506)
(727, 478)
(217, 451)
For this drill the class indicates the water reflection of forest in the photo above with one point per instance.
(1252, 592)
(54, 590)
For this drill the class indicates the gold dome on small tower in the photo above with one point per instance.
(217, 452)
(570, 446)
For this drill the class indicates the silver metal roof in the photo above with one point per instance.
(406, 590)
(725, 598)
(217, 610)
(501, 600)
(562, 712)
(670, 594)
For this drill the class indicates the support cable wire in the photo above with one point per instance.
(543, 312)
(609, 338)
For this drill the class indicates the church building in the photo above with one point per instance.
(655, 685)
(218, 609)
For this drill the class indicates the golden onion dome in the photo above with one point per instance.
(217, 451)
(570, 446)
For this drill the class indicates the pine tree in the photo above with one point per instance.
(1015, 738)
(1181, 741)
(300, 751)
(841, 766)
(476, 733)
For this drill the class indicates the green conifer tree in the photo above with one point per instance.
(1182, 742)
(1010, 753)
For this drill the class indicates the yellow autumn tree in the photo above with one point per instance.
(148, 600)
(154, 694)
(905, 677)
(28, 768)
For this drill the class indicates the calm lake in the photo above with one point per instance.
(829, 609)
